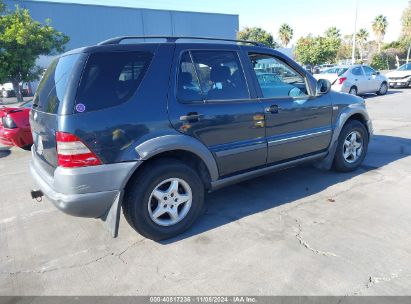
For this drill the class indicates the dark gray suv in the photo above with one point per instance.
(150, 127)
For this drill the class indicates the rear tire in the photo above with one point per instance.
(383, 89)
(353, 91)
(154, 200)
(352, 147)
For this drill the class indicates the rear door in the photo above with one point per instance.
(211, 100)
(359, 79)
(297, 122)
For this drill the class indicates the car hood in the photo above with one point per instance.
(399, 74)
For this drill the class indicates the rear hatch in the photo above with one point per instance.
(54, 97)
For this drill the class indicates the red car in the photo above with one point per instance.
(15, 127)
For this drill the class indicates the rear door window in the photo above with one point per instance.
(211, 75)
(111, 78)
(357, 71)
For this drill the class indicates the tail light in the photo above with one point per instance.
(8, 122)
(73, 153)
(341, 80)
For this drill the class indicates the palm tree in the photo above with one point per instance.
(362, 37)
(379, 27)
(285, 34)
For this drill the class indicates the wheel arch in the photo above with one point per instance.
(180, 147)
(355, 111)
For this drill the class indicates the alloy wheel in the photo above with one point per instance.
(353, 147)
(170, 202)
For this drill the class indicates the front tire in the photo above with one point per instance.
(164, 200)
(5, 94)
(352, 147)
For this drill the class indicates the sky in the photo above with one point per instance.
(304, 16)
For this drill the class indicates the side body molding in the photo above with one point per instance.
(342, 117)
(173, 142)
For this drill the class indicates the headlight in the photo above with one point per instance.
(9, 123)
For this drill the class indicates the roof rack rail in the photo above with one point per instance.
(117, 40)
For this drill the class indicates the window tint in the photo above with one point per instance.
(53, 85)
(220, 75)
(111, 78)
(405, 67)
(368, 71)
(188, 86)
(357, 71)
(276, 78)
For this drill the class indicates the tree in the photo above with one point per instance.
(379, 27)
(22, 41)
(317, 50)
(362, 37)
(406, 29)
(285, 33)
(2, 6)
(257, 34)
(333, 33)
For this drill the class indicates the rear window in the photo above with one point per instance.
(53, 85)
(110, 79)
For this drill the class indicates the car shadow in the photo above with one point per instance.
(4, 152)
(372, 95)
(257, 195)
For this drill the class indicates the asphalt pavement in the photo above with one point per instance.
(297, 232)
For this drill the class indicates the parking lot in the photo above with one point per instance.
(297, 232)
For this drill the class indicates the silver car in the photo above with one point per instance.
(355, 79)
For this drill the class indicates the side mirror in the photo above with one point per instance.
(323, 87)
(377, 73)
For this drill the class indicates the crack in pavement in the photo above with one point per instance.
(46, 270)
(372, 281)
(307, 245)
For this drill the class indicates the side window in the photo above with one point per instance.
(188, 86)
(276, 78)
(111, 78)
(221, 75)
(357, 71)
(368, 71)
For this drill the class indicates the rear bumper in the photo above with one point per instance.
(83, 192)
(15, 137)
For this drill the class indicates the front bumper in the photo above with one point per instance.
(399, 83)
(83, 192)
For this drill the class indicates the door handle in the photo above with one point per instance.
(191, 117)
(356, 79)
(273, 109)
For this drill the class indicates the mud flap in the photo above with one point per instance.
(327, 162)
(111, 220)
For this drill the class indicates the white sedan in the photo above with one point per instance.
(400, 77)
(355, 79)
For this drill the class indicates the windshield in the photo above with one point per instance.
(405, 67)
(338, 71)
(27, 104)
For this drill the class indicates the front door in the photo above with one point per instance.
(297, 123)
(373, 83)
(212, 102)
